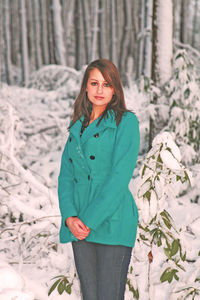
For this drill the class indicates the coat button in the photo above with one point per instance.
(70, 139)
(70, 160)
(75, 180)
(88, 177)
(92, 157)
(96, 135)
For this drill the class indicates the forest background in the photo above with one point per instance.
(45, 46)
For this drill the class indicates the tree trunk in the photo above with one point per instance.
(1, 43)
(68, 13)
(14, 32)
(195, 24)
(162, 28)
(95, 31)
(23, 40)
(113, 37)
(50, 32)
(184, 21)
(141, 39)
(77, 35)
(58, 33)
(125, 42)
(87, 29)
(36, 34)
(6, 35)
(148, 44)
(135, 32)
(44, 32)
(102, 34)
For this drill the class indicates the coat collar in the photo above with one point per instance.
(93, 128)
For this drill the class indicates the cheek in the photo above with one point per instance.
(110, 94)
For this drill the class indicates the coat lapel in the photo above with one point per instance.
(93, 128)
(76, 129)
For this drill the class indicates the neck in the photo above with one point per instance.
(96, 112)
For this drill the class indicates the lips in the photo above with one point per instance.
(98, 97)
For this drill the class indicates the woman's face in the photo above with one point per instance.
(99, 90)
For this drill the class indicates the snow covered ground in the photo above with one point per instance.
(33, 131)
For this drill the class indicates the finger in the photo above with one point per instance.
(81, 227)
(81, 235)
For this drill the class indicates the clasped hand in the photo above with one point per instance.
(77, 228)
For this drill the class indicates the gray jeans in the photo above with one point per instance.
(102, 269)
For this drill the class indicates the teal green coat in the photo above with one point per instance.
(94, 176)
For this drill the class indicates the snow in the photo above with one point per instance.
(165, 27)
(33, 132)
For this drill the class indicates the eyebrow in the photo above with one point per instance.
(97, 79)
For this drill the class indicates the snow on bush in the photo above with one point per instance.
(183, 93)
(12, 284)
(54, 77)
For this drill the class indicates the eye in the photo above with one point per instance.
(94, 83)
(106, 84)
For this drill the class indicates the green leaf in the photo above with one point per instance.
(146, 229)
(175, 247)
(143, 170)
(187, 93)
(53, 286)
(142, 236)
(182, 256)
(167, 252)
(153, 219)
(159, 242)
(165, 275)
(59, 276)
(68, 288)
(178, 178)
(168, 275)
(148, 195)
(175, 275)
(167, 223)
(61, 287)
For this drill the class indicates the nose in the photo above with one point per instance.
(100, 89)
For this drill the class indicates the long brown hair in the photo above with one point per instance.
(82, 105)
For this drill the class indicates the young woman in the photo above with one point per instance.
(99, 214)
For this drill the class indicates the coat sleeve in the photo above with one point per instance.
(65, 187)
(125, 156)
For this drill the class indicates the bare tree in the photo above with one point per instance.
(87, 29)
(77, 28)
(148, 45)
(1, 42)
(95, 30)
(51, 42)
(141, 38)
(126, 37)
(44, 32)
(195, 30)
(184, 21)
(162, 28)
(6, 35)
(68, 18)
(113, 37)
(102, 33)
(23, 40)
(14, 32)
(58, 33)
(36, 34)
